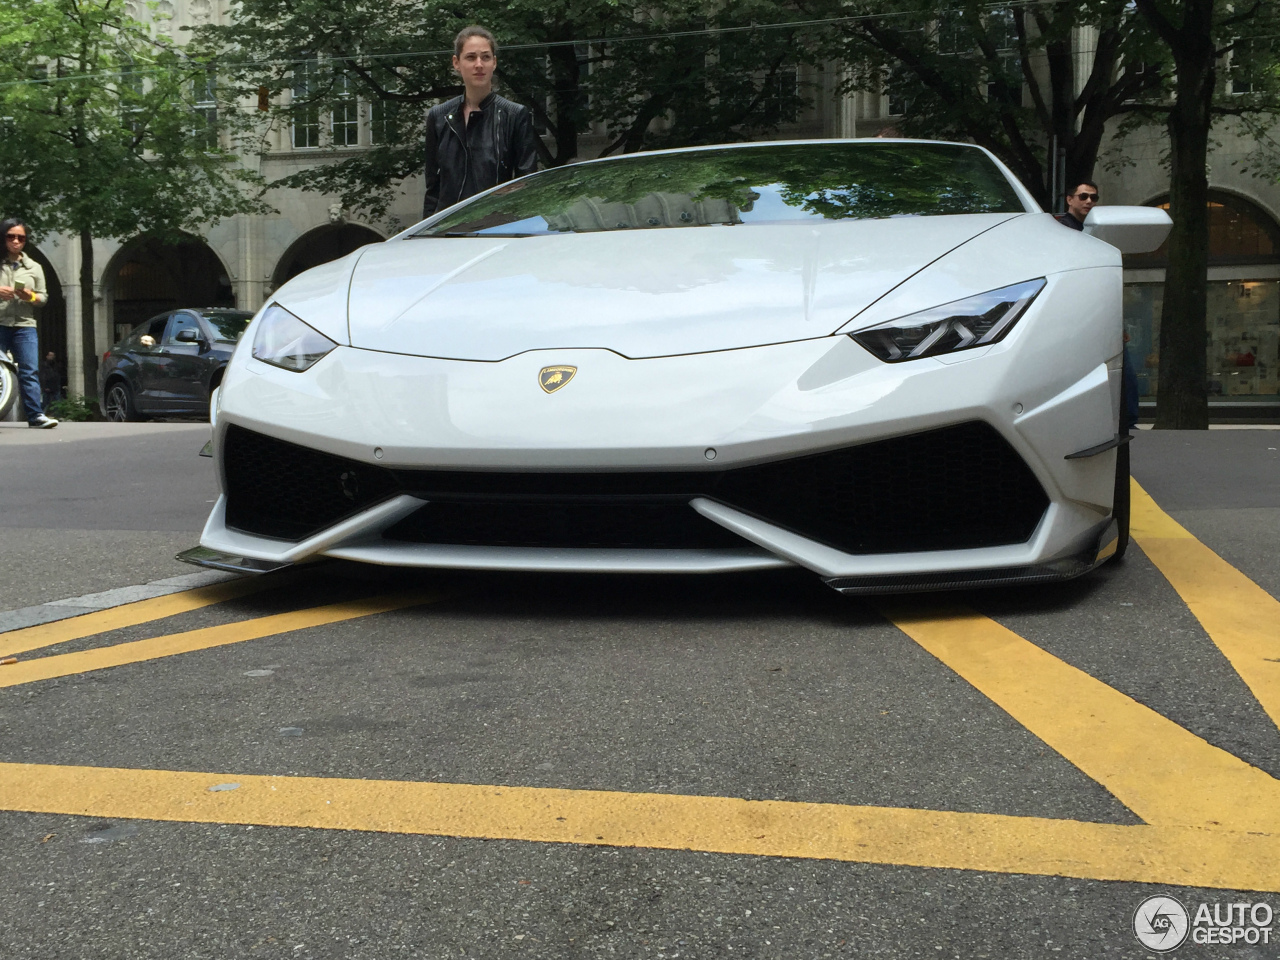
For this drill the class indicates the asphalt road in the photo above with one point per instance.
(756, 688)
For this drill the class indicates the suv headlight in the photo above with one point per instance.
(285, 341)
(961, 325)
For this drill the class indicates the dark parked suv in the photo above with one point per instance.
(169, 365)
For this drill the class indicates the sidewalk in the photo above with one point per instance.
(68, 432)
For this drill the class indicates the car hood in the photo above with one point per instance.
(641, 293)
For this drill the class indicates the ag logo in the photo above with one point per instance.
(551, 379)
(1161, 924)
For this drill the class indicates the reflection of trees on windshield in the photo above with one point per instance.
(652, 210)
(821, 181)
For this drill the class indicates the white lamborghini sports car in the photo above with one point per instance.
(876, 360)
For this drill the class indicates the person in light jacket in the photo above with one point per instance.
(22, 289)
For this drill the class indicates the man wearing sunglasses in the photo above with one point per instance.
(22, 289)
(1079, 202)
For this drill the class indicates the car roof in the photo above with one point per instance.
(218, 311)
(761, 144)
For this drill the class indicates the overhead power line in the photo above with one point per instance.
(238, 65)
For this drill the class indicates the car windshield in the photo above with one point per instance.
(228, 326)
(740, 185)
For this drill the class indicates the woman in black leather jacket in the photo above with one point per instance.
(479, 139)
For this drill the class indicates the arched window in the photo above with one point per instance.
(1240, 233)
(148, 276)
(324, 243)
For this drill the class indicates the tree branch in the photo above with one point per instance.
(1160, 23)
(1028, 75)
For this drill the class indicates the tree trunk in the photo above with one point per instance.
(567, 97)
(1182, 401)
(88, 328)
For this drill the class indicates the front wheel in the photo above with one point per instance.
(1120, 506)
(118, 406)
(8, 389)
(1120, 501)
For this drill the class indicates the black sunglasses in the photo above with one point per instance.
(16, 236)
(1087, 196)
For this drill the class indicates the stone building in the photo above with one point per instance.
(239, 262)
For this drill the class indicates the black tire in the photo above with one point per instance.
(8, 389)
(213, 385)
(1120, 506)
(118, 405)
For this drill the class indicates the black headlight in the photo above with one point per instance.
(961, 325)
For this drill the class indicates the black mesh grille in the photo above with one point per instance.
(947, 489)
(279, 489)
(953, 488)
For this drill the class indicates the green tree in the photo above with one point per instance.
(109, 133)
(663, 73)
(1202, 37)
(1011, 79)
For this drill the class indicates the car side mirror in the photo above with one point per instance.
(189, 336)
(1129, 229)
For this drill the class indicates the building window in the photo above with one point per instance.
(1249, 64)
(384, 121)
(344, 121)
(897, 91)
(205, 105)
(781, 99)
(1007, 71)
(1243, 301)
(306, 112)
(1243, 350)
(132, 91)
(953, 37)
(1239, 233)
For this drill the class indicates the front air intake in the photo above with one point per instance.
(953, 488)
(279, 489)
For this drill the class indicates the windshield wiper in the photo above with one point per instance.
(477, 233)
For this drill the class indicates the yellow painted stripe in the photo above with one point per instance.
(923, 838)
(1237, 614)
(129, 615)
(1160, 771)
(29, 671)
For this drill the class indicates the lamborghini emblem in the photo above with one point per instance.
(551, 379)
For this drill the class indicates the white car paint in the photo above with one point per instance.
(643, 293)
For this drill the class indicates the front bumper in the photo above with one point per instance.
(937, 472)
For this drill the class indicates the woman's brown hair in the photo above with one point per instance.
(466, 33)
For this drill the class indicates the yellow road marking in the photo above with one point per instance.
(924, 838)
(1213, 820)
(67, 664)
(1165, 774)
(1237, 614)
(128, 615)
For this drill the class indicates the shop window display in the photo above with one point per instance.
(1243, 348)
(1243, 315)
